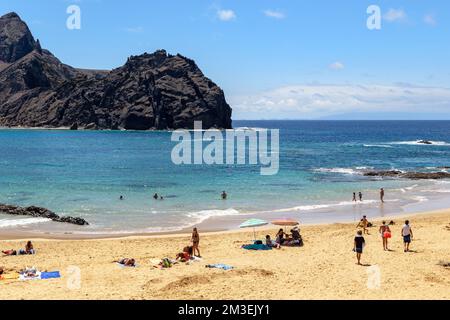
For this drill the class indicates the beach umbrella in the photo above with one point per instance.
(253, 223)
(285, 223)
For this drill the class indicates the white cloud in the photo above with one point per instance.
(336, 66)
(395, 15)
(274, 14)
(226, 15)
(317, 100)
(430, 19)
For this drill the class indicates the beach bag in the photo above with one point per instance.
(166, 263)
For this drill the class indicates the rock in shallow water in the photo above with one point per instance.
(39, 212)
(409, 175)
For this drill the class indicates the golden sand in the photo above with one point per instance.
(325, 268)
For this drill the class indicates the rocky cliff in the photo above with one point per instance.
(151, 91)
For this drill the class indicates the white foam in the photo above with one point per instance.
(323, 206)
(377, 146)
(203, 215)
(420, 198)
(337, 170)
(417, 143)
(7, 223)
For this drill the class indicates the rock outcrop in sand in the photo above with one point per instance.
(151, 91)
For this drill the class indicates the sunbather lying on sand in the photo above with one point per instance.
(28, 250)
(11, 252)
(186, 255)
(127, 262)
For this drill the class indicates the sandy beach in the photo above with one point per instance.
(325, 268)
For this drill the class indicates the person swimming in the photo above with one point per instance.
(224, 195)
(121, 198)
(155, 196)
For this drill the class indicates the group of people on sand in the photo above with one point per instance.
(29, 249)
(385, 233)
(284, 239)
(360, 196)
(188, 253)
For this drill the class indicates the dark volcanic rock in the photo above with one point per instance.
(409, 175)
(151, 91)
(16, 40)
(424, 142)
(40, 213)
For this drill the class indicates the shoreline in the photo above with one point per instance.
(14, 235)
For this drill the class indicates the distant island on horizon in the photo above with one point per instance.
(155, 91)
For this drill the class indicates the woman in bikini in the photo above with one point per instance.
(195, 242)
(385, 232)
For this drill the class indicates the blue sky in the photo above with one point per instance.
(273, 58)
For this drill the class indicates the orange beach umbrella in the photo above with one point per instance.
(285, 222)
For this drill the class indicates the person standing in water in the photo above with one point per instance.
(358, 245)
(155, 196)
(224, 195)
(360, 196)
(195, 242)
(382, 195)
(385, 232)
(407, 235)
(354, 197)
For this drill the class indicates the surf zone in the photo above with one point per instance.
(257, 147)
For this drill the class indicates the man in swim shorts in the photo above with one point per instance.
(407, 235)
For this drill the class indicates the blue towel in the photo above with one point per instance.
(256, 247)
(50, 275)
(219, 266)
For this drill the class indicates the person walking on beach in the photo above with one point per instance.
(354, 196)
(385, 232)
(195, 242)
(407, 235)
(360, 196)
(364, 223)
(358, 246)
(382, 195)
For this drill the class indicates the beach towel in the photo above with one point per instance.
(219, 266)
(128, 266)
(30, 276)
(256, 247)
(50, 275)
(10, 276)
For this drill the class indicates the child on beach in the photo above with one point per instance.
(271, 243)
(385, 232)
(358, 245)
(407, 235)
(195, 242)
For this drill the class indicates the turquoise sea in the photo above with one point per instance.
(83, 173)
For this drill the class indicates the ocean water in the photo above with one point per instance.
(83, 173)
